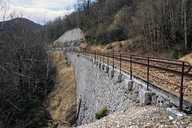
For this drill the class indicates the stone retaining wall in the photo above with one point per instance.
(99, 86)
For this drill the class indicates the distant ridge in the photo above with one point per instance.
(23, 23)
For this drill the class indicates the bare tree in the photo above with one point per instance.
(184, 11)
(4, 7)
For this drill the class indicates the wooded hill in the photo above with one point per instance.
(12, 25)
(24, 75)
(156, 24)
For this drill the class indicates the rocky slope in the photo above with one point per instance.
(140, 117)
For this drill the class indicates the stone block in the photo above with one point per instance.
(160, 101)
(112, 74)
(137, 86)
(103, 67)
(175, 114)
(154, 99)
(99, 65)
(107, 69)
(145, 97)
(120, 78)
(95, 62)
(130, 85)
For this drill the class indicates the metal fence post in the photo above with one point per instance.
(181, 87)
(131, 69)
(100, 58)
(95, 55)
(148, 61)
(113, 60)
(120, 62)
(107, 59)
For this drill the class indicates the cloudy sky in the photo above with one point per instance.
(41, 11)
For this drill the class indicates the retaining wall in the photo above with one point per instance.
(97, 89)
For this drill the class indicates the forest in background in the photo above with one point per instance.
(24, 78)
(26, 73)
(155, 24)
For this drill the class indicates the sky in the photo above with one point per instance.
(39, 11)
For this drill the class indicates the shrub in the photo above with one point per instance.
(176, 54)
(113, 33)
(102, 113)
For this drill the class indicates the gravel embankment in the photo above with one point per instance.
(97, 90)
(140, 117)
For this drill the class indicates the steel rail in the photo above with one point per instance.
(152, 59)
(150, 65)
(144, 64)
(177, 67)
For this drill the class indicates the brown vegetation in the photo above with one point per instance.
(187, 58)
(154, 25)
(24, 78)
(62, 101)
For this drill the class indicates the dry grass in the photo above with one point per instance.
(187, 58)
(62, 101)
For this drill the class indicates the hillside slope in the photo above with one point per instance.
(12, 24)
(62, 101)
(156, 25)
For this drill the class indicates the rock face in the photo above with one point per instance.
(71, 38)
(98, 90)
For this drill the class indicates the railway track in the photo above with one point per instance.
(167, 74)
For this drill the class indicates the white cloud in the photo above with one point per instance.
(59, 4)
(40, 11)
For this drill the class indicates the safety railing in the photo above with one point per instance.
(177, 69)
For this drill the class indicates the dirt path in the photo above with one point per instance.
(62, 101)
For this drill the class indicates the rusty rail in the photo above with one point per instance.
(181, 68)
